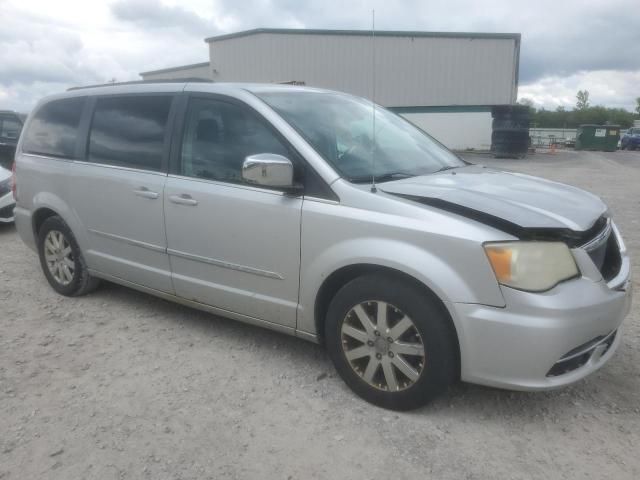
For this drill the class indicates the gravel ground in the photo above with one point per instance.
(120, 385)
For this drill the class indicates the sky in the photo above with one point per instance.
(567, 45)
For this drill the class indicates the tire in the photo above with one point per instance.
(436, 369)
(510, 124)
(73, 279)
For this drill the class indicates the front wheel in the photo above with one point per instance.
(61, 259)
(391, 342)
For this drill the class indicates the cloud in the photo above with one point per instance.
(606, 87)
(49, 46)
(151, 14)
(27, 56)
(608, 38)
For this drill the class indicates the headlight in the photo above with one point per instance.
(531, 266)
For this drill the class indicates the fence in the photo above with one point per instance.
(546, 137)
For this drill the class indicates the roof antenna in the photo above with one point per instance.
(373, 100)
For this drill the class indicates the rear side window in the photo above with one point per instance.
(53, 131)
(129, 131)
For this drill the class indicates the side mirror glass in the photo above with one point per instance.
(268, 170)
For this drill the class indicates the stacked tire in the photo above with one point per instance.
(510, 131)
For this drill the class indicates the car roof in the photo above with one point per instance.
(145, 87)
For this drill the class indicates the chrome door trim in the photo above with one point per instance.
(224, 264)
(48, 157)
(130, 241)
(309, 198)
(119, 167)
(229, 184)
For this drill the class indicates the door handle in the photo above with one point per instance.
(146, 193)
(183, 199)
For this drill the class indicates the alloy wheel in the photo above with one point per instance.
(59, 257)
(383, 345)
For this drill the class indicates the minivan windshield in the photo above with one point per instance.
(340, 128)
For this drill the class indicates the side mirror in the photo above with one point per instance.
(269, 170)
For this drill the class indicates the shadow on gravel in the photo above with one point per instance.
(7, 229)
(462, 399)
(209, 324)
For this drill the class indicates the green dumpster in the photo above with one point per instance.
(603, 138)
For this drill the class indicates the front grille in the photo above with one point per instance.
(580, 355)
(604, 250)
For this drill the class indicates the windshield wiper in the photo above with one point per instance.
(384, 177)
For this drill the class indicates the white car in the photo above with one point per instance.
(7, 202)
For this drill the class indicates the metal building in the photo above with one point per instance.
(446, 83)
(195, 70)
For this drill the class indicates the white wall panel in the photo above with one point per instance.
(456, 130)
(410, 71)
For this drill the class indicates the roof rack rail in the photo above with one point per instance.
(144, 82)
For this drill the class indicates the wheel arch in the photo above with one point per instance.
(39, 216)
(340, 277)
(46, 205)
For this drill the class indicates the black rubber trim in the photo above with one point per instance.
(570, 237)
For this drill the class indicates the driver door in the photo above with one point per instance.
(231, 245)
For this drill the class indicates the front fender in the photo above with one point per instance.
(475, 283)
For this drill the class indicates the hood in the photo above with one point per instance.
(512, 202)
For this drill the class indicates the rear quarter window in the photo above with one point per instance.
(53, 131)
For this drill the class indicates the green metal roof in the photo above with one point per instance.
(378, 33)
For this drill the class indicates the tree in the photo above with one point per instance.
(562, 118)
(583, 99)
(638, 105)
(529, 103)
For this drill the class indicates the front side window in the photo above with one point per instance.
(53, 131)
(129, 131)
(340, 128)
(218, 136)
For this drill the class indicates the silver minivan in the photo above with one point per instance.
(318, 214)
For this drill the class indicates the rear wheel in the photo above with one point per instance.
(61, 259)
(391, 342)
